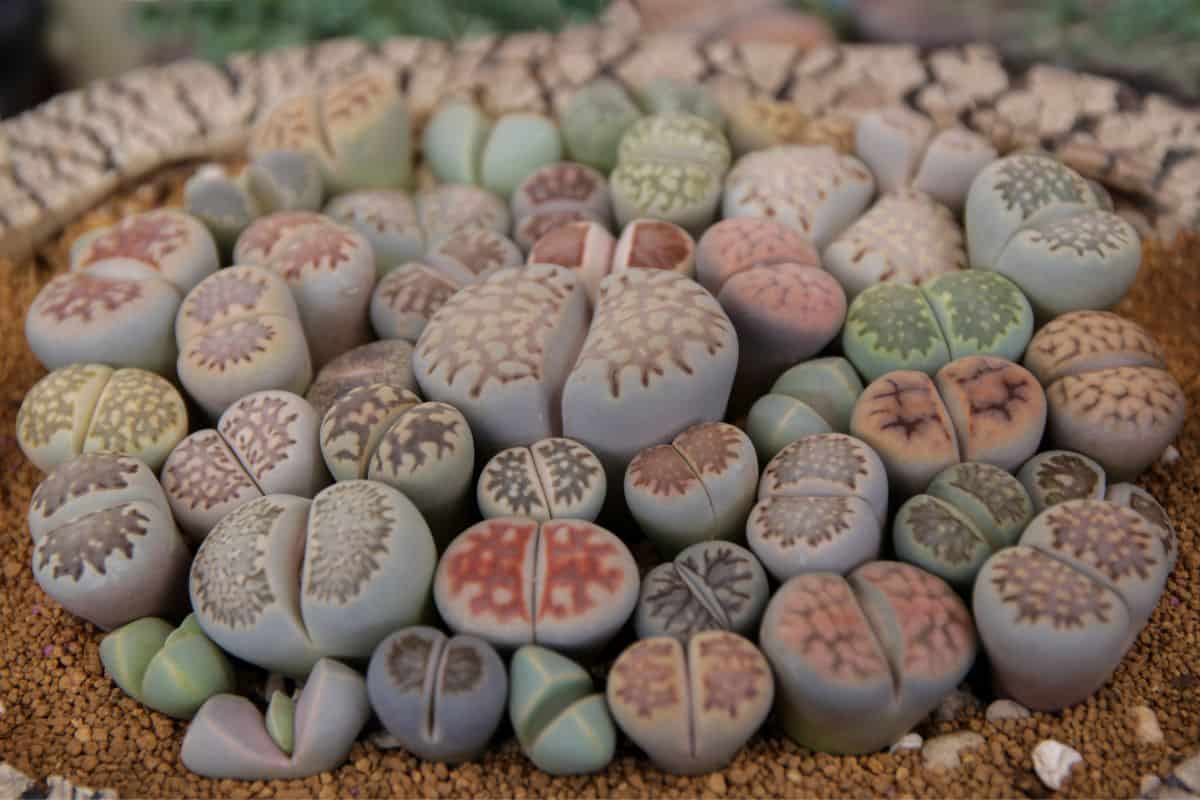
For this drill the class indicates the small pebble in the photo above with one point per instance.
(909, 741)
(1052, 761)
(1145, 725)
(1170, 455)
(942, 752)
(1005, 709)
(1148, 784)
(1188, 772)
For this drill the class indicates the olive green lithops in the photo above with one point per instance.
(776, 420)
(280, 720)
(594, 120)
(518, 144)
(691, 707)
(980, 313)
(562, 723)
(453, 140)
(892, 326)
(1055, 476)
(387, 218)
(939, 538)
(170, 670)
(172, 243)
(551, 478)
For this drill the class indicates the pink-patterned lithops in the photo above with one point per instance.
(822, 502)
(529, 230)
(449, 207)
(387, 218)
(586, 248)
(472, 254)
(266, 235)
(691, 707)
(1079, 342)
(815, 190)
(282, 580)
(698, 487)
(406, 298)
(554, 478)
(389, 361)
(561, 187)
(655, 244)
(708, 586)
(860, 660)
(89, 408)
(104, 543)
(815, 396)
(733, 246)
(1057, 612)
(265, 443)
(1055, 476)
(239, 332)
(175, 245)
(567, 584)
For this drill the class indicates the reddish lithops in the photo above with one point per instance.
(583, 247)
(555, 195)
(554, 478)
(406, 298)
(175, 245)
(655, 244)
(737, 245)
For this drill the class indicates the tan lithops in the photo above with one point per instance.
(583, 247)
(550, 479)
(1083, 341)
(655, 244)
(998, 409)
(471, 254)
(174, 244)
(354, 424)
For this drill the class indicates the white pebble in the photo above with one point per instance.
(942, 752)
(909, 741)
(1170, 455)
(1148, 785)
(1145, 725)
(384, 740)
(1005, 709)
(1052, 761)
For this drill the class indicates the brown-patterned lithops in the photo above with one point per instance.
(388, 220)
(389, 361)
(406, 298)
(1055, 476)
(167, 241)
(553, 478)
(554, 195)
(469, 255)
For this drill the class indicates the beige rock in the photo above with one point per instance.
(1145, 725)
(942, 752)
(1053, 761)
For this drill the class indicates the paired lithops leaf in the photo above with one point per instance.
(552, 478)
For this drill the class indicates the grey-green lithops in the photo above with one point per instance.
(890, 327)
(562, 723)
(280, 720)
(172, 670)
(815, 396)
(453, 142)
(980, 313)
(594, 120)
(1055, 476)
(518, 144)
(665, 93)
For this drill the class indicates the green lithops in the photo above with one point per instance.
(816, 396)
(594, 121)
(170, 670)
(280, 720)
(992, 498)
(890, 327)
(221, 202)
(518, 144)
(453, 142)
(981, 313)
(671, 94)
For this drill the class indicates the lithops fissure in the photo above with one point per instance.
(282, 581)
(902, 642)
(552, 478)
(816, 396)
(173, 244)
(566, 584)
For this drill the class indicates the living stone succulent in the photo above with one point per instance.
(553, 478)
(584, 247)
(406, 298)
(388, 361)
(450, 207)
(1056, 476)
(815, 396)
(556, 194)
(387, 218)
(664, 93)
(469, 255)
(175, 245)
(453, 140)
(758, 123)
(655, 244)
(594, 121)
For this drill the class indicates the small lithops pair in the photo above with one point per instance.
(356, 129)
(1042, 224)
(389, 361)
(565, 584)
(461, 144)
(978, 408)
(104, 543)
(265, 443)
(670, 166)
(860, 660)
(691, 706)
(556, 194)
(90, 408)
(230, 738)
(282, 581)
(822, 502)
(893, 326)
(697, 488)
(553, 478)
(817, 396)
(968, 512)
(769, 280)
(385, 433)
(171, 670)
(239, 332)
(1057, 612)
(902, 149)
(1109, 393)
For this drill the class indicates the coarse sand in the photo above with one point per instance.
(59, 714)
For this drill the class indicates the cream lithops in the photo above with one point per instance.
(88, 408)
(553, 478)
(387, 218)
(174, 244)
(104, 543)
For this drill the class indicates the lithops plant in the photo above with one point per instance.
(565, 584)
(282, 581)
(655, 244)
(357, 129)
(757, 123)
(171, 670)
(556, 194)
(441, 697)
(816, 396)
(265, 443)
(691, 706)
(453, 140)
(670, 166)
(104, 544)
(1057, 612)
(89, 408)
(822, 502)
(1055, 476)
(664, 93)
(448, 207)
(815, 190)
(697, 488)
(168, 241)
(980, 312)
(585, 248)
(562, 724)
(471, 254)
(903, 641)
(239, 332)
(406, 298)
(707, 586)
(389, 361)
(1110, 396)
(553, 478)
(387, 218)
(595, 119)
(229, 737)
(518, 144)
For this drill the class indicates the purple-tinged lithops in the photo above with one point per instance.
(585, 248)
(998, 409)
(89, 408)
(1057, 612)
(282, 581)
(691, 707)
(659, 348)
(553, 478)
(566, 584)
(698, 487)
(239, 332)
(387, 218)
(229, 738)
(816, 396)
(117, 312)
(1138, 499)
(815, 190)
(265, 443)
(406, 298)
(821, 505)
(453, 141)
(170, 242)
(389, 361)
(449, 207)
(952, 160)
(1085, 341)
(562, 186)
(655, 244)
(892, 326)
(670, 166)
(1055, 476)
(980, 312)
(105, 546)
(594, 121)
(860, 660)
(708, 586)
(519, 143)
(357, 129)
(441, 697)
(906, 237)
(733, 246)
